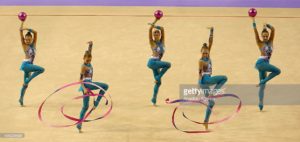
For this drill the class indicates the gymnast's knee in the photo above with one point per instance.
(105, 86)
(224, 78)
(41, 70)
(168, 65)
(278, 71)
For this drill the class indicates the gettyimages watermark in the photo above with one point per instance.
(199, 94)
(199, 91)
(12, 135)
(274, 94)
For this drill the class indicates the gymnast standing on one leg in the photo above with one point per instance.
(30, 70)
(263, 63)
(205, 78)
(159, 68)
(86, 75)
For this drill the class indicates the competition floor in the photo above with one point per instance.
(120, 54)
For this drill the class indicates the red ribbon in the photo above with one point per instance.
(77, 121)
(202, 102)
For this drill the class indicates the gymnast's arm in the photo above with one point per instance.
(258, 41)
(83, 69)
(200, 69)
(162, 29)
(34, 36)
(211, 37)
(272, 32)
(21, 34)
(150, 33)
(90, 46)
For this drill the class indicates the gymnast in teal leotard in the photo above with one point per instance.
(159, 68)
(205, 76)
(30, 70)
(263, 63)
(86, 75)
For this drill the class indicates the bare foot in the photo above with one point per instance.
(206, 126)
(80, 131)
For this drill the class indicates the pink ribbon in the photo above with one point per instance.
(77, 121)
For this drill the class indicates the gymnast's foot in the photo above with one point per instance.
(205, 124)
(157, 79)
(261, 106)
(257, 85)
(79, 128)
(21, 102)
(153, 100)
(260, 83)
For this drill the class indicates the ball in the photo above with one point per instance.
(252, 12)
(158, 14)
(22, 16)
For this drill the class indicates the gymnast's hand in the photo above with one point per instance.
(153, 24)
(211, 29)
(85, 91)
(90, 42)
(22, 29)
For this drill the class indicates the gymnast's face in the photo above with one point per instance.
(205, 53)
(28, 39)
(87, 59)
(156, 35)
(265, 36)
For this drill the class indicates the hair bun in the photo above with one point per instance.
(87, 54)
(265, 30)
(28, 34)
